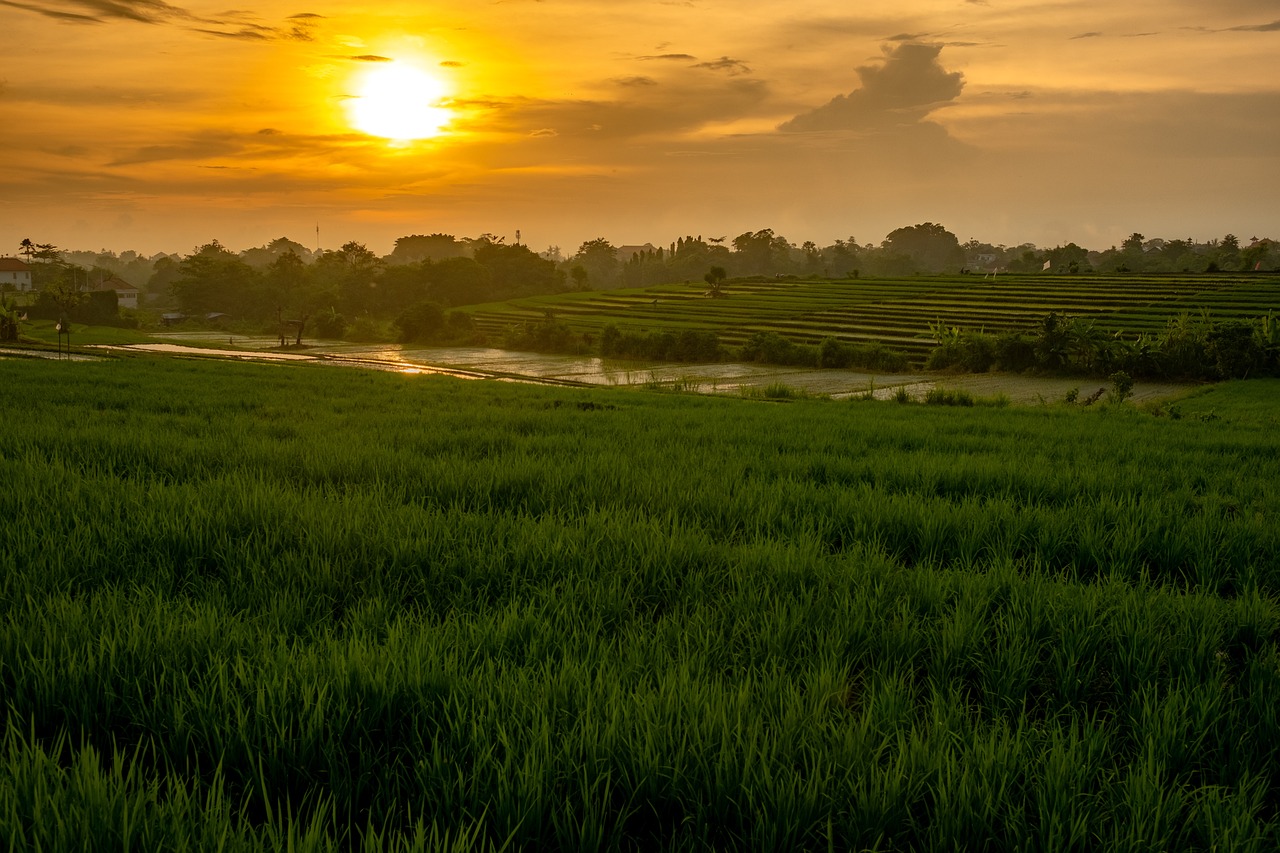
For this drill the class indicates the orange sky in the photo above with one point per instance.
(136, 124)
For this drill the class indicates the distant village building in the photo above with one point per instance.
(624, 253)
(16, 273)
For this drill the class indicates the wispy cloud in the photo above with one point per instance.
(100, 11)
(734, 67)
(1272, 27)
(233, 25)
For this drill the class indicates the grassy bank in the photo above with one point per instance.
(273, 606)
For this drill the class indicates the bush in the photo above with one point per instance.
(421, 323)
(688, 346)
(947, 397)
(1121, 387)
(330, 324)
(772, 348)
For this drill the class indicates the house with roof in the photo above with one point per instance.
(15, 275)
(126, 293)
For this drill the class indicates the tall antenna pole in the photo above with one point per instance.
(317, 237)
(517, 236)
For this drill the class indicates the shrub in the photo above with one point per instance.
(1121, 387)
(947, 397)
(421, 322)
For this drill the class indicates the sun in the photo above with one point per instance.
(399, 102)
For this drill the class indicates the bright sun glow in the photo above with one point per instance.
(399, 102)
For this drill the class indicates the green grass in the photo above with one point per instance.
(306, 608)
(46, 332)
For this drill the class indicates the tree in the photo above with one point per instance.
(287, 283)
(214, 279)
(760, 252)
(421, 247)
(930, 247)
(714, 277)
(516, 270)
(350, 274)
(264, 256)
(599, 258)
(459, 281)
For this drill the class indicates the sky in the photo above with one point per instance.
(151, 126)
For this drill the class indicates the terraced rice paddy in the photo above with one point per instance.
(897, 312)
(288, 607)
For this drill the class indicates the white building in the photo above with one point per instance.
(126, 293)
(15, 275)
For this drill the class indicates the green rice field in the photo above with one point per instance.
(898, 312)
(294, 607)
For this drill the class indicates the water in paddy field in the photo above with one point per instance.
(717, 378)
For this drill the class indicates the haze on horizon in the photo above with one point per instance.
(137, 124)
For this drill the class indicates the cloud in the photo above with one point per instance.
(636, 81)
(451, 63)
(1089, 35)
(1272, 27)
(234, 24)
(56, 14)
(368, 57)
(99, 11)
(734, 67)
(641, 110)
(196, 148)
(906, 87)
(677, 57)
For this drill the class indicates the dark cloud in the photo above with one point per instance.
(248, 33)
(636, 81)
(234, 25)
(209, 145)
(368, 57)
(1089, 35)
(645, 111)
(678, 57)
(451, 63)
(99, 11)
(902, 90)
(1272, 27)
(67, 151)
(907, 37)
(56, 14)
(733, 67)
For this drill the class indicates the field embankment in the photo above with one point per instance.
(267, 606)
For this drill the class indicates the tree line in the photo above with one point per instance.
(426, 275)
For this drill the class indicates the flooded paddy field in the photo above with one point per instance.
(712, 378)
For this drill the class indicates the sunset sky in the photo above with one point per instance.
(136, 124)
